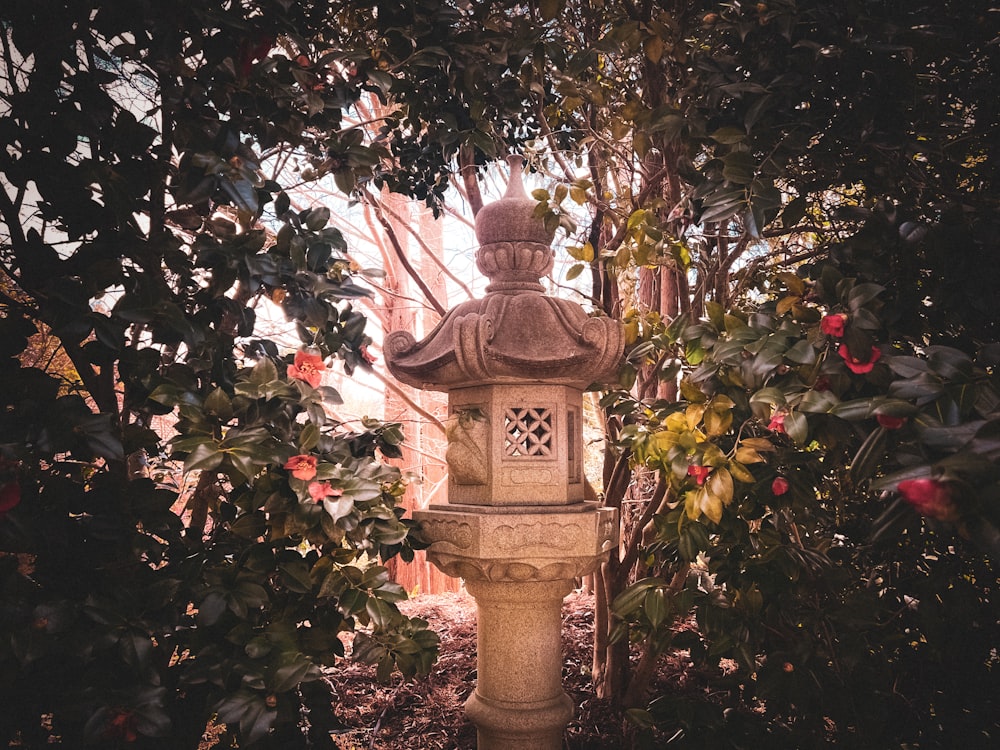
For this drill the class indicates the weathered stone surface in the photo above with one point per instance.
(515, 334)
(519, 703)
(509, 337)
(527, 545)
(515, 445)
(519, 564)
(515, 527)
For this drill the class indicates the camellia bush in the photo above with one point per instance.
(829, 515)
(153, 581)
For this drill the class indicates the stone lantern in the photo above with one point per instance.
(516, 525)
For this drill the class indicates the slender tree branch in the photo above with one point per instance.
(380, 215)
(423, 246)
(632, 547)
(409, 401)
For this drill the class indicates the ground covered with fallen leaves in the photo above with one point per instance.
(426, 714)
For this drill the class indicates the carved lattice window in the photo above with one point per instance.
(528, 432)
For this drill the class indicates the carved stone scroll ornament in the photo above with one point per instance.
(521, 569)
(465, 457)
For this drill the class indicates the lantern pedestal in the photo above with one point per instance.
(519, 564)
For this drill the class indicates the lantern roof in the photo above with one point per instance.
(515, 333)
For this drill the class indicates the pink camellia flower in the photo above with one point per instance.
(777, 423)
(320, 490)
(366, 355)
(930, 498)
(700, 473)
(890, 423)
(833, 325)
(308, 367)
(856, 365)
(10, 497)
(302, 467)
(779, 486)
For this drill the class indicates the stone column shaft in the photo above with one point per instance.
(519, 703)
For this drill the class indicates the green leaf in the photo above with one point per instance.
(100, 437)
(739, 167)
(641, 718)
(818, 402)
(205, 457)
(263, 372)
(862, 294)
(655, 606)
(855, 410)
(868, 456)
(381, 613)
(793, 212)
(309, 437)
(217, 404)
(729, 135)
(797, 427)
(629, 601)
(802, 353)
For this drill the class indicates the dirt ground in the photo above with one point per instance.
(426, 714)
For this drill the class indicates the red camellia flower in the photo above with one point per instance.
(777, 423)
(822, 383)
(253, 49)
(121, 726)
(856, 365)
(890, 423)
(700, 473)
(320, 490)
(302, 467)
(10, 497)
(930, 498)
(779, 486)
(833, 325)
(308, 367)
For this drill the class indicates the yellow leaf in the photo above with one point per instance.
(711, 505)
(578, 194)
(720, 485)
(665, 440)
(693, 414)
(587, 252)
(622, 257)
(757, 443)
(741, 473)
(785, 304)
(721, 402)
(718, 424)
(676, 422)
(794, 283)
(653, 47)
(691, 392)
(631, 332)
(747, 455)
(692, 504)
